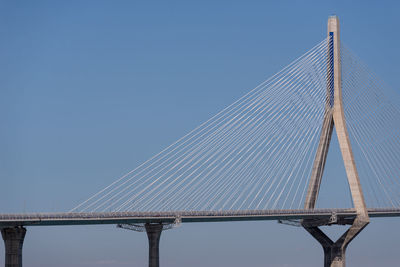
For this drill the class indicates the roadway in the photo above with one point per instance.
(70, 218)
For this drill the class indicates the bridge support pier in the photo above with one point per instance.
(153, 231)
(335, 252)
(13, 241)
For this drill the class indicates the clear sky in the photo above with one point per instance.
(90, 89)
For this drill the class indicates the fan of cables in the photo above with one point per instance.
(256, 153)
(373, 120)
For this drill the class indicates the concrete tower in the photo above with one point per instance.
(334, 117)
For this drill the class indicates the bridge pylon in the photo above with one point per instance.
(153, 231)
(13, 241)
(334, 117)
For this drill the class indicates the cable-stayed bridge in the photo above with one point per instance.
(261, 158)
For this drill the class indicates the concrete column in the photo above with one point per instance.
(335, 252)
(13, 241)
(334, 256)
(153, 231)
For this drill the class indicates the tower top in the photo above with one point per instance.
(333, 26)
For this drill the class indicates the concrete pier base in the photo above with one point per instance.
(335, 252)
(334, 256)
(153, 231)
(13, 241)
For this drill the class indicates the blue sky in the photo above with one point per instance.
(90, 89)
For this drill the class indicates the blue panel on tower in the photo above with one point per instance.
(331, 74)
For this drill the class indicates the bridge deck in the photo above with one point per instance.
(43, 219)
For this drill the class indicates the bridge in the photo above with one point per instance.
(261, 158)
(317, 216)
